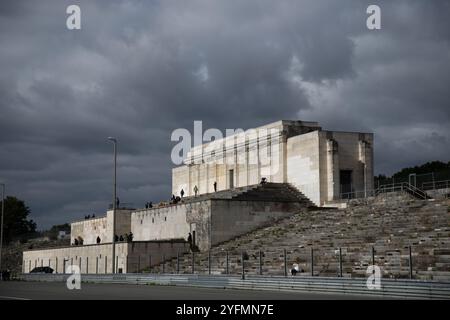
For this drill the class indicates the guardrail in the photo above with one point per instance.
(435, 185)
(389, 287)
(385, 189)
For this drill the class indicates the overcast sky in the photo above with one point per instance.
(137, 70)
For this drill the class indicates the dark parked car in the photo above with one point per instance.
(42, 270)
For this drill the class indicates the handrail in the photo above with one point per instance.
(415, 191)
(386, 188)
(434, 185)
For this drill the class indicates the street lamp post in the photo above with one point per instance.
(1, 228)
(114, 140)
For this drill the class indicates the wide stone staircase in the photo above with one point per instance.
(270, 191)
(389, 227)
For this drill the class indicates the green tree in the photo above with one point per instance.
(15, 221)
(54, 230)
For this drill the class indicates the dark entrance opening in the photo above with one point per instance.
(231, 178)
(346, 183)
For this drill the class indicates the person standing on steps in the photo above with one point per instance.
(182, 193)
(189, 239)
(215, 186)
(195, 190)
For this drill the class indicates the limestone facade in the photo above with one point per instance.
(297, 159)
(322, 164)
(90, 229)
(209, 221)
(96, 259)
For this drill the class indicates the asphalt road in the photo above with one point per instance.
(16, 290)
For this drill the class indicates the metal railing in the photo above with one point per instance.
(395, 262)
(435, 185)
(385, 189)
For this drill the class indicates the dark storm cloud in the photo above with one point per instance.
(140, 69)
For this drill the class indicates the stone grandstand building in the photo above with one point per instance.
(302, 168)
(321, 164)
(302, 164)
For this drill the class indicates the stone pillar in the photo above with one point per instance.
(187, 191)
(283, 157)
(366, 160)
(246, 164)
(206, 166)
(333, 183)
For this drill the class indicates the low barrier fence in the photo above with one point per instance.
(399, 263)
(388, 287)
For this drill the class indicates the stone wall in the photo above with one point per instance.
(130, 257)
(171, 222)
(89, 230)
(303, 169)
(101, 227)
(209, 221)
(315, 159)
(355, 152)
(234, 218)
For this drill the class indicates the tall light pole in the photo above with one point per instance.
(113, 258)
(1, 228)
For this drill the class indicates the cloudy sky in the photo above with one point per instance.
(137, 70)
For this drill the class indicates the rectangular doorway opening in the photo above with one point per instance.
(231, 178)
(345, 178)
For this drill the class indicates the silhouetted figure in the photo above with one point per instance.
(75, 242)
(93, 216)
(98, 240)
(88, 217)
(150, 204)
(195, 190)
(215, 186)
(294, 269)
(263, 180)
(182, 193)
(121, 238)
(177, 199)
(189, 239)
(117, 202)
(130, 237)
(116, 238)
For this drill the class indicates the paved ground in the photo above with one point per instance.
(57, 290)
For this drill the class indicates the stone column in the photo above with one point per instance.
(283, 156)
(365, 157)
(333, 182)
